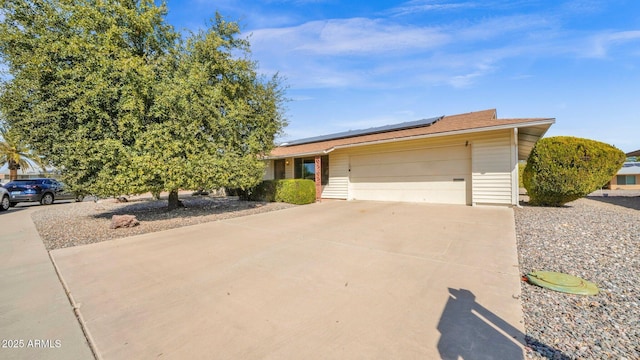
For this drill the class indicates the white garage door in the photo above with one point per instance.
(436, 175)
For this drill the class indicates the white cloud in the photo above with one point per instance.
(464, 81)
(602, 43)
(584, 6)
(355, 36)
(419, 6)
(517, 26)
(382, 53)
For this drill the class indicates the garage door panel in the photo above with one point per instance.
(433, 185)
(438, 175)
(418, 155)
(363, 181)
(407, 169)
(436, 194)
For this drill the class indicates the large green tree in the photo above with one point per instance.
(121, 103)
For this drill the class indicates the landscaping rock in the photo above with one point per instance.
(123, 221)
(597, 239)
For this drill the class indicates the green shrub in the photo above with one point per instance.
(521, 166)
(293, 191)
(265, 191)
(562, 169)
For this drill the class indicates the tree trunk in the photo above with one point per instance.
(174, 202)
(13, 170)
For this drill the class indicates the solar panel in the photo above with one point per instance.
(369, 131)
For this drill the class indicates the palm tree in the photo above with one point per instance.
(16, 154)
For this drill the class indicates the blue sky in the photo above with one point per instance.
(358, 64)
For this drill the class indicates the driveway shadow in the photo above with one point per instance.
(148, 210)
(468, 330)
(12, 210)
(631, 202)
(28, 205)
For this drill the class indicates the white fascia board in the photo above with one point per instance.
(311, 153)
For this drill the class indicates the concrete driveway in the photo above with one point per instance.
(333, 280)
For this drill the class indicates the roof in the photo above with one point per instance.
(630, 168)
(486, 120)
(634, 153)
(374, 130)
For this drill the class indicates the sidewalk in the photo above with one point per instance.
(36, 318)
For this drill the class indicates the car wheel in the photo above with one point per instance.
(5, 204)
(47, 199)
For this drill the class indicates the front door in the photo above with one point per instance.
(279, 169)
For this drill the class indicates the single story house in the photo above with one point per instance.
(634, 154)
(31, 173)
(628, 177)
(467, 159)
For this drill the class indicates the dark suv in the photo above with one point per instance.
(45, 191)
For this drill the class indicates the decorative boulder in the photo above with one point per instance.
(123, 221)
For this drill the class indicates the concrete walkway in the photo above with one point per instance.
(334, 280)
(36, 318)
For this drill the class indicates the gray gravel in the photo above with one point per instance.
(70, 224)
(597, 239)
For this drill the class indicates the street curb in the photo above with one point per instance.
(76, 311)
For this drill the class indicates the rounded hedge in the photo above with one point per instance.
(292, 191)
(296, 191)
(562, 169)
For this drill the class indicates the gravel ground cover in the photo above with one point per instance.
(71, 224)
(597, 239)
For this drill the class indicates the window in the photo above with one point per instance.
(626, 179)
(305, 168)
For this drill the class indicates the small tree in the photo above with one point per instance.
(563, 169)
(15, 153)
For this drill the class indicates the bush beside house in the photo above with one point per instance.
(562, 169)
(292, 191)
(521, 166)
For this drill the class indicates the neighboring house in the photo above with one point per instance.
(634, 155)
(31, 173)
(467, 159)
(628, 177)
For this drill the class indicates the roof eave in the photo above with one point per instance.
(304, 154)
(455, 132)
(543, 122)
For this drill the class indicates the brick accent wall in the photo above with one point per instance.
(318, 179)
